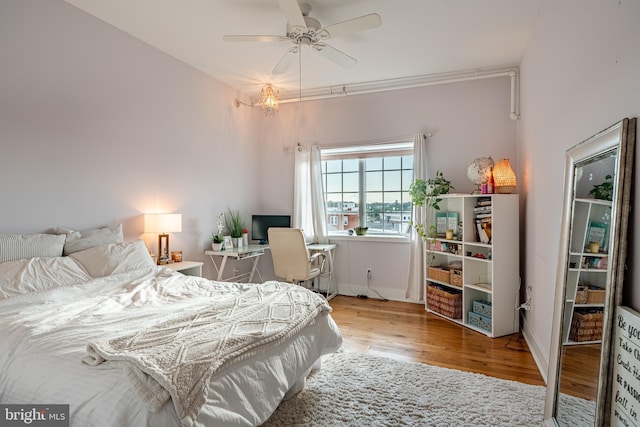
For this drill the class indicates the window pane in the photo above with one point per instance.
(350, 165)
(334, 183)
(373, 164)
(351, 181)
(392, 162)
(407, 178)
(334, 202)
(407, 162)
(374, 181)
(334, 166)
(392, 181)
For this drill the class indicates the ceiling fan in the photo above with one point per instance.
(304, 30)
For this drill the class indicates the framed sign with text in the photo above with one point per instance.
(625, 398)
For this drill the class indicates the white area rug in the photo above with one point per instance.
(355, 389)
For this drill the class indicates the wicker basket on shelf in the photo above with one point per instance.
(586, 326)
(447, 302)
(455, 278)
(439, 274)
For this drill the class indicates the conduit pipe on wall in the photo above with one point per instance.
(407, 83)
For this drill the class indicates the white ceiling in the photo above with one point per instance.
(417, 37)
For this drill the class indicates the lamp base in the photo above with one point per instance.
(163, 249)
(505, 189)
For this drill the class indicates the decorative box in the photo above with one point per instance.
(483, 308)
(480, 321)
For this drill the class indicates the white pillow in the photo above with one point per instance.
(81, 240)
(18, 246)
(38, 274)
(116, 258)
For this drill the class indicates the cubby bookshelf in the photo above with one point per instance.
(486, 245)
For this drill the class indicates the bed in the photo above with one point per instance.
(125, 342)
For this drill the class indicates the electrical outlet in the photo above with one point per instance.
(368, 272)
(236, 271)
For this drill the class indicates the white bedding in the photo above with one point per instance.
(44, 335)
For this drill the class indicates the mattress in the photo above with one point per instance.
(45, 334)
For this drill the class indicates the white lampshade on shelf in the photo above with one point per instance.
(504, 178)
(163, 224)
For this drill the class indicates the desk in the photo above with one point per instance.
(329, 249)
(252, 252)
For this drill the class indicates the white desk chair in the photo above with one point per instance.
(291, 259)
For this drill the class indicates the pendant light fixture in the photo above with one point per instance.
(269, 100)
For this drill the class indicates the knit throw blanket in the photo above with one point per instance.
(178, 357)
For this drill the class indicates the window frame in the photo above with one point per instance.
(362, 152)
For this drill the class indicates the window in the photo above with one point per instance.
(369, 186)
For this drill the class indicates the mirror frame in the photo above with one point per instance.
(621, 136)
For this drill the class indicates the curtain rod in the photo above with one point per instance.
(377, 141)
(301, 147)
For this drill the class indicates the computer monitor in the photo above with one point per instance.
(261, 223)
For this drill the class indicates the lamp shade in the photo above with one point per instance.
(504, 178)
(162, 223)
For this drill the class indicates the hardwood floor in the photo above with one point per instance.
(404, 331)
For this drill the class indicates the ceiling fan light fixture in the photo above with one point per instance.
(269, 100)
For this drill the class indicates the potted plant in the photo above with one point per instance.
(426, 193)
(234, 225)
(216, 242)
(603, 191)
(360, 230)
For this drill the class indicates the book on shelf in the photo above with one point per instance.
(483, 227)
(446, 221)
(483, 201)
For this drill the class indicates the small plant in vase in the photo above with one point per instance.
(216, 241)
(234, 225)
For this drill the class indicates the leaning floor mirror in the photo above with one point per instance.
(593, 246)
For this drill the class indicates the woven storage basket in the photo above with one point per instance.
(439, 274)
(581, 295)
(595, 296)
(447, 302)
(586, 326)
(455, 277)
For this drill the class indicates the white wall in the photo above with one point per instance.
(580, 74)
(97, 127)
(467, 120)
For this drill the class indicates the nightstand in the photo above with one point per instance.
(188, 268)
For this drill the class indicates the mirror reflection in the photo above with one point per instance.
(597, 193)
(587, 275)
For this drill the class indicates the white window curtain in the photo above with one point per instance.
(415, 283)
(309, 211)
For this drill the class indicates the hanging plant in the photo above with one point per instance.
(425, 193)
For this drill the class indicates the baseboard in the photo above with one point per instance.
(541, 359)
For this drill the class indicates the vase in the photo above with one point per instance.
(245, 239)
(216, 246)
(237, 242)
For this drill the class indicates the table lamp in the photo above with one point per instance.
(163, 224)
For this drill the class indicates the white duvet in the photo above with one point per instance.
(44, 335)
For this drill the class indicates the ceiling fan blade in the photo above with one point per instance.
(286, 61)
(292, 12)
(335, 55)
(354, 25)
(254, 38)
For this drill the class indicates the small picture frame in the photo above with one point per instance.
(228, 243)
